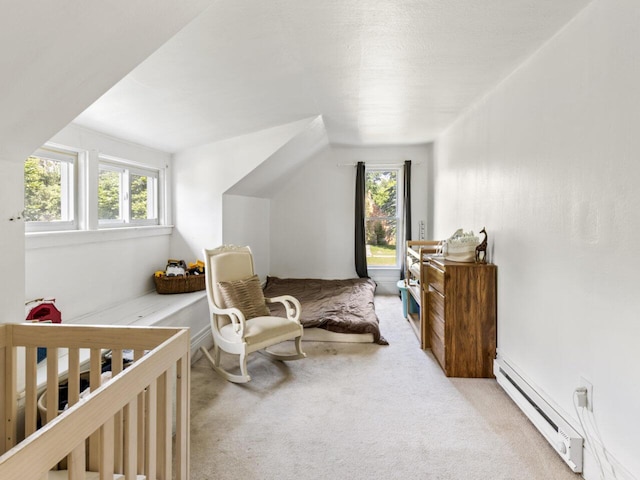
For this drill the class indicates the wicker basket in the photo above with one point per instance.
(185, 284)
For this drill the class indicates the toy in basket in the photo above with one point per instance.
(178, 277)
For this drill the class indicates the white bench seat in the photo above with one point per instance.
(151, 309)
(178, 310)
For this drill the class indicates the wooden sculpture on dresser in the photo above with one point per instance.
(481, 249)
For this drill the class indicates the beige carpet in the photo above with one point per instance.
(362, 411)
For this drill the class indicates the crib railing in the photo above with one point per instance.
(124, 426)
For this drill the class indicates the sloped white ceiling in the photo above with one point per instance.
(378, 71)
(264, 180)
(60, 56)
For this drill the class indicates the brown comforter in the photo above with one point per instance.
(342, 306)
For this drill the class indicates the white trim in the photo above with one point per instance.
(202, 338)
(35, 240)
(69, 160)
(398, 218)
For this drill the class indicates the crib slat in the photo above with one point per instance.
(52, 384)
(137, 355)
(77, 460)
(182, 419)
(164, 427)
(116, 361)
(116, 368)
(9, 399)
(106, 450)
(150, 430)
(131, 440)
(77, 463)
(3, 397)
(3, 388)
(44, 448)
(95, 362)
(74, 376)
(31, 391)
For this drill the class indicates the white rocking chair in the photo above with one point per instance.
(240, 320)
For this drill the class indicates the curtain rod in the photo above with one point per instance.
(391, 164)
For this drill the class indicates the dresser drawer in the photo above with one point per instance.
(436, 305)
(436, 325)
(435, 278)
(437, 347)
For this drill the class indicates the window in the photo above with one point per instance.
(50, 190)
(127, 195)
(72, 189)
(382, 219)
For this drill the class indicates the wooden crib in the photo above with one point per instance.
(122, 429)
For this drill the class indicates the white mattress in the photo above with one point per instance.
(322, 335)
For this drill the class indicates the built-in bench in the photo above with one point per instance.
(147, 310)
(179, 310)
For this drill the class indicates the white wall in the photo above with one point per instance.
(89, 269)
(548, 163)
(246, 221)
(70, 57)
(11, 241)
(312, 230)
(201, 175)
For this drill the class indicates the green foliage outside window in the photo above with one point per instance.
(109, 195)
(109, 186)
(49, 191)
(381, 207)
(42, 190)
(139, 197)
(381, 217)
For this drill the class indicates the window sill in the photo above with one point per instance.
(35, 240)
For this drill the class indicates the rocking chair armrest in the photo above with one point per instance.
(291, 306)
(236, 316)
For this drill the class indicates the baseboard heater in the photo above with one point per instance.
(563, 437)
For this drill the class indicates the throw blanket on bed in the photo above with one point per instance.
(342, 306)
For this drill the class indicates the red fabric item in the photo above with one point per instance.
(45, 311)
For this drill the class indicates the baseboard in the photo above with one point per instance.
(590, 468)
(550, 421)
(200, 339)
(387, 287)
(386, 280)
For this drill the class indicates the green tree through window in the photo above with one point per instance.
(381, 217)
(139, 197)
(127, 195)
(49, 190)
(109, 188)
(42, 190)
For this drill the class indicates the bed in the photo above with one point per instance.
(332, 310)
(122, 428)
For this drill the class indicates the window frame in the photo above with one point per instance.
(70, 192)
(127, 168)
(398, 217)
(85, 182)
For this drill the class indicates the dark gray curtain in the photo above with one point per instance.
(406, 214)
(360, 237)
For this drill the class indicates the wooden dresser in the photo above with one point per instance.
(459, 316)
